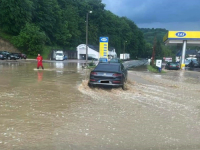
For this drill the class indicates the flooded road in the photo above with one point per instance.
(54, 109)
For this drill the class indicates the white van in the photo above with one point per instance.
(59, 55)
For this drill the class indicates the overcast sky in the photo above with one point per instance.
(168, 14)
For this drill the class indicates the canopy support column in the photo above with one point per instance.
(183, 55)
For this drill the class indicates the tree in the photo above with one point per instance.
(31, 39)
(61, 23)
(14, 14)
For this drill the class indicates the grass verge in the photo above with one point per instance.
(154, 69)
(91, 67)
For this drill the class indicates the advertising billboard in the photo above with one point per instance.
(103, 47)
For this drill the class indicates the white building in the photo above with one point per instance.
(93, 52)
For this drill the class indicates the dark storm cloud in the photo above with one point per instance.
(156, 11)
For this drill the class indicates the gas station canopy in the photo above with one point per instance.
(184, 38)
(178, 37)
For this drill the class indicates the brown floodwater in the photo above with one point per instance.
(54, 109)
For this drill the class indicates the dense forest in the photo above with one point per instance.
(33, 25)
(155, 36)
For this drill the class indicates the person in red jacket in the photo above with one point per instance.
(39, 60)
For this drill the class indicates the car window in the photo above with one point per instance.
(107, 67)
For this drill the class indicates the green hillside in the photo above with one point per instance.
(160, 49)
(149, 34)
(37, 26)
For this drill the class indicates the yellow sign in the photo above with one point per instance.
(103, 47)
(182, 35)
(165, 37)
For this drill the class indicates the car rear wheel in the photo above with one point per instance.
(91, 85)
(123, 85)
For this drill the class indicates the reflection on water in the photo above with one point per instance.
(182, 76)
(40, 74)
(59, 65)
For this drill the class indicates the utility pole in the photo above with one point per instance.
(154, 53)
(124, 50)
(87, 36)
(86, 39)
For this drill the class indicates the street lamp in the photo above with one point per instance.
(87, 35)
(124, 49)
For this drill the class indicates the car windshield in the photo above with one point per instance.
(108, 67)
(59, 54)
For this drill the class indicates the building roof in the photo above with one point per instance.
(188, 52)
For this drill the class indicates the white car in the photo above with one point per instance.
(59, 55)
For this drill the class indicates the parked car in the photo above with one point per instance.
(193, 63)
(172, 66)
(11, 56)
(7, 55)
(2, 56)
(65, 57)
(60, 55)
(187, 62)
(16, 55)
(108, 74)
(23, 56)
